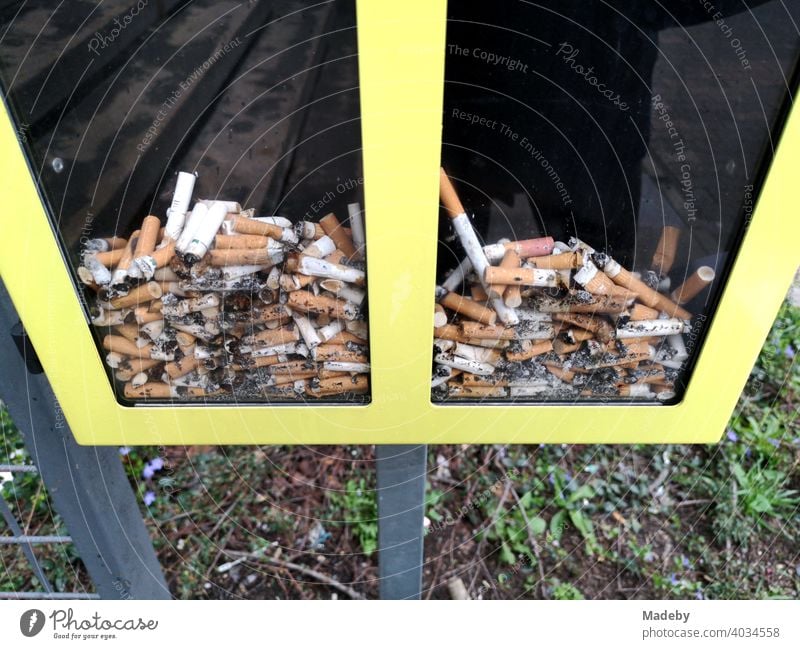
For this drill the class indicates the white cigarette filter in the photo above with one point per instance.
(341, 366)
(645, 328)
(204, 233)
(93, 271)
(322, 247)
(181, 199)
(464, 364)
(195, 217)
(357, 229)
(321, 268)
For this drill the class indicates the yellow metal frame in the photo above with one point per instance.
(401, 63)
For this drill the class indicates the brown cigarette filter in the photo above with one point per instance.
(148, 236)
(148, 391)
(127, 255)
(241, 257)
(642, 312)
(565, 375)
(181, 367)
(129, 331)
(294, 368)
(124, 346)
(140, 295)
(328, 352)
(491, 332)
(476, 392)
(270, 337)
(448, 332)
(529, 349)
(601, 284)
(251, 226)
(358, 384)
(344, 337)
(564, 261)
(695, 283)
(335, 231)
(511, 260)
(475, 381)
(449, 196)
(667, 248)
(110, 258)
(240, 241)
(563, 347)
(251, 363)
(468, 308)
(478, 293)
(648, 296)
(309, 303)
(495, 275)
(130, 367)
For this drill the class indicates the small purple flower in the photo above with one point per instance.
(551, 479)
(775, 442)
(673, 579)
(124, 450)
(732, 435)
(156, 464)
(789, 352)
(699, 594)
(685, 562)
(149, 498)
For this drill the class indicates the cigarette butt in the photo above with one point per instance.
(448, 332)
(122, 345)
(357, 233)
(477, 330)
(477, 353)
(645, 328)
(133, 367)
(246, 225)
(344, 337)
(121, 271)
(139, 295)
(695, 283)
(149, 391)
(600, 327)
(148, 236)
(474, 381)
(573, 304)
(565, 375)
(449, 197)
(358, 384)
(528, 248)
(338, 353)
(468, 308)
(518, 276)
(129, 331)
(324, 268)
(181, 367)
(223, 241)
(511, 260)
(271, 337)
(309, 303)
(564, 261)
(344, 367)
(330, 224)
(646, 295)
(321, 248)
(466, 391)
(642, 312)
(337, 257)
(512, 296)
(298, 369)
(595, 281)
(562, 347)
(185, 339)
(110, 258)
(331, 374)
(143, 315)
(439, 316)
(254, 362)
(529, 349)
(478, 293)
(245, 256)
(667, 248)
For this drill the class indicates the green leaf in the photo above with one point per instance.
(538, 525)
(557, 525)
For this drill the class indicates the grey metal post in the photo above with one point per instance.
(401, 508)
(87, 484)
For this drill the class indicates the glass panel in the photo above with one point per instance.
(602, 161)
(201, 164)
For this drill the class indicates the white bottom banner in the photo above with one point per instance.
(329, 625)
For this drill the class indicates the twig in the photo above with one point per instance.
(308, 572)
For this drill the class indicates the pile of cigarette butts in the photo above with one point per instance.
(220, 304)
(546, 320)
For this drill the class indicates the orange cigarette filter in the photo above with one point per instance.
(482, 392)
(695, 283)
(328, 352)
(529, 350)
(564, 261)
(270, 337)
(139, 295)
(449, 196)
(358, 384)
(241, 257)
(468, 308)
(127, 256)
(110, 258)
(122, 345)
(147, 236)
(240, 241)
(666, 250)
(511, 260)
(309, 303)
(489, 332)
(251, 226)
(336, 232)
(181, 367)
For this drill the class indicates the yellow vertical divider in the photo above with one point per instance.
(401, 67)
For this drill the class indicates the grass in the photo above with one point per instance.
(561, 522)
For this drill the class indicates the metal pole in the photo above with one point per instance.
(401, 507)
(87, 484)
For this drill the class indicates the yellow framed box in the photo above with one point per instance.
(401, 49)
